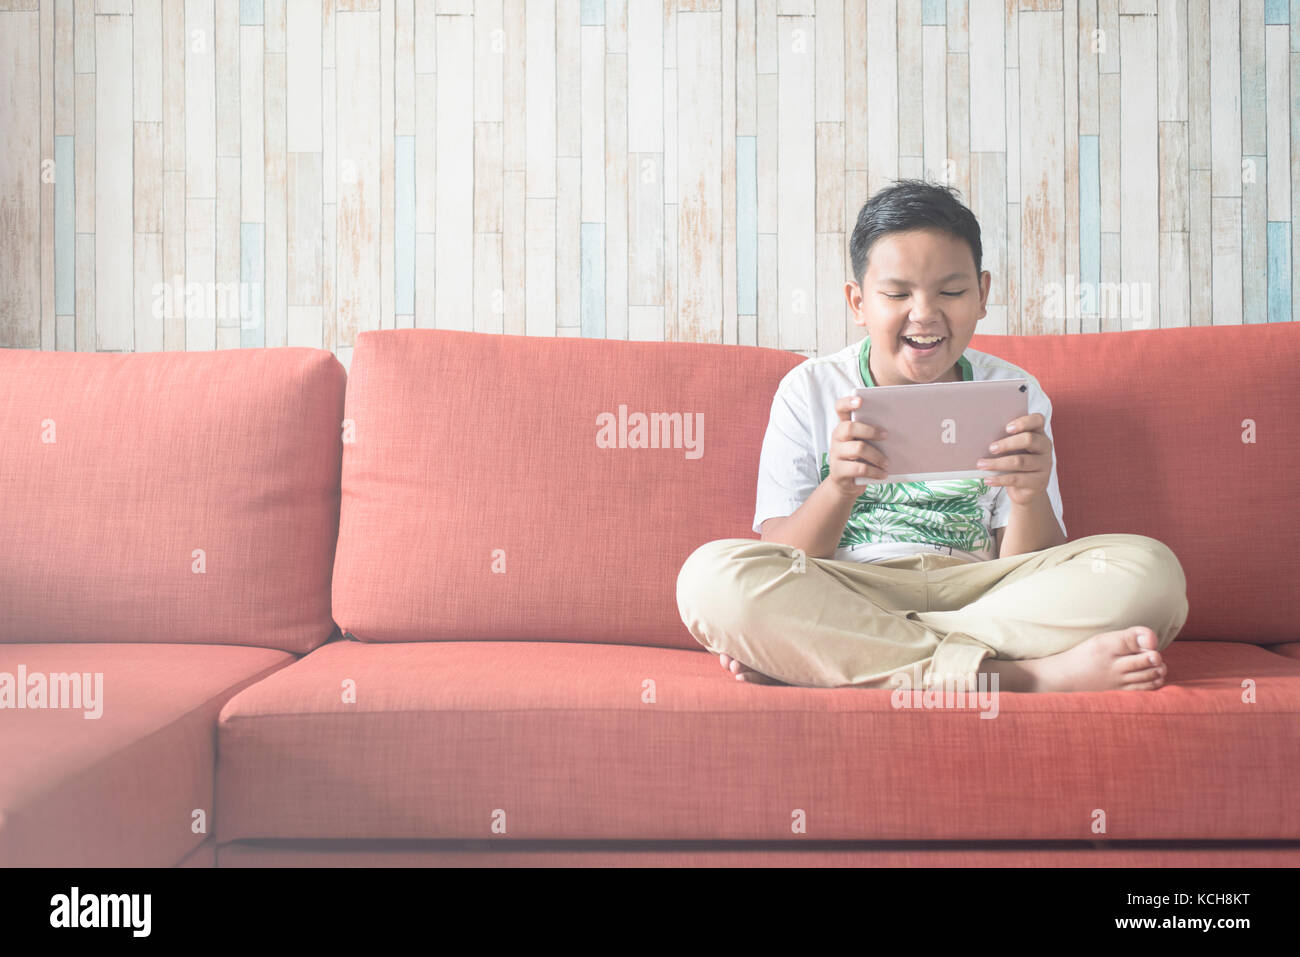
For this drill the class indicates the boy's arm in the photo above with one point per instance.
(818, 523)
(1032, 527)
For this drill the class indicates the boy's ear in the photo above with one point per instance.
(986, 285)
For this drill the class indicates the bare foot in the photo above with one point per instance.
(1112, 661)
(745, 673)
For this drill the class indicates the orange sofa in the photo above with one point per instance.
(424, 613)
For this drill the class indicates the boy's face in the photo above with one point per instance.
(920, 282)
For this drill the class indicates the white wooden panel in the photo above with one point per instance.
(730, 292)
(747, 68)
(83, 150)
(200, 270)
(987, 76)
(147, 51)
(387, 165)
(1175, 305)
(147, 216)
(425, 281)
(489, 60)
(855, 85)
(489, 310)
(645, 323)
(539, 268)
(83, 37)
(200, 101)
(1139, 238)
(568, 242)
(174, 81)
(645, 55)
(830, 179)
(1200, 251)
(1042, 170)
(699, 175)
(988, 201)
(303, 75)
(1013, 134)
(426, 155)
(273, 16)
(1225, 229)
(882, 102)
(489, 180)
(796, 200)
(1279, 123)
(832, 307)
(1089, 119)
(1173, 177)
(114, 213)
(404, 69)
(645, 227)
(329, 135)
(768, 306)
(1198, 84)
(539, 87)
(329, 299)
(1108, 150)
(911, 95)
(1251, 32)
(829, 44)
(357, 235)
(1172, 59)
(20, 184)
(616, 196)
(1225, 103)
(174, 255)
(593, 124)
(426, 50)
(304, 230)
(227, 245)
(959, 120)
(513, 255)
(455, 159)
(277, 200)
(252, 143)
(934, 84)
(227, 77)
(304, 325)
(85, 291)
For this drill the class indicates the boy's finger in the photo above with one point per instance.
(1027, 423)
(844, 407)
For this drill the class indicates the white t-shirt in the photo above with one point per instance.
(954, 516)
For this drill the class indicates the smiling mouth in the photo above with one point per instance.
(924, 344)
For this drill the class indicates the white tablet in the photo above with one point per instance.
(939, 430)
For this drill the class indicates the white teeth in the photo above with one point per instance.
(924, 340)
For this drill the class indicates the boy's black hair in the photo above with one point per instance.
(912, 204)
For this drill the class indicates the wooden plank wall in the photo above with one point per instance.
(213, 174)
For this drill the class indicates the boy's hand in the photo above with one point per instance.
(850, 456)
(1026, 453)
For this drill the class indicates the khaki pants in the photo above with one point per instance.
(820, 623)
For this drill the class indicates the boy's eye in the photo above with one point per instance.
(903, 295)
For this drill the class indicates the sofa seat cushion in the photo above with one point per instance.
(561, 740)
(119, 789)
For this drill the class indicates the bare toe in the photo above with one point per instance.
(1144, 685)
(1146, 675)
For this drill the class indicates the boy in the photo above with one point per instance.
(922, 584)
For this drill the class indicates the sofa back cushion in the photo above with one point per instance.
(169, 497)
(1187, 435)
(479, 503)
(492, 490)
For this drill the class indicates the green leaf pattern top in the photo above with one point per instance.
(941, 513)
